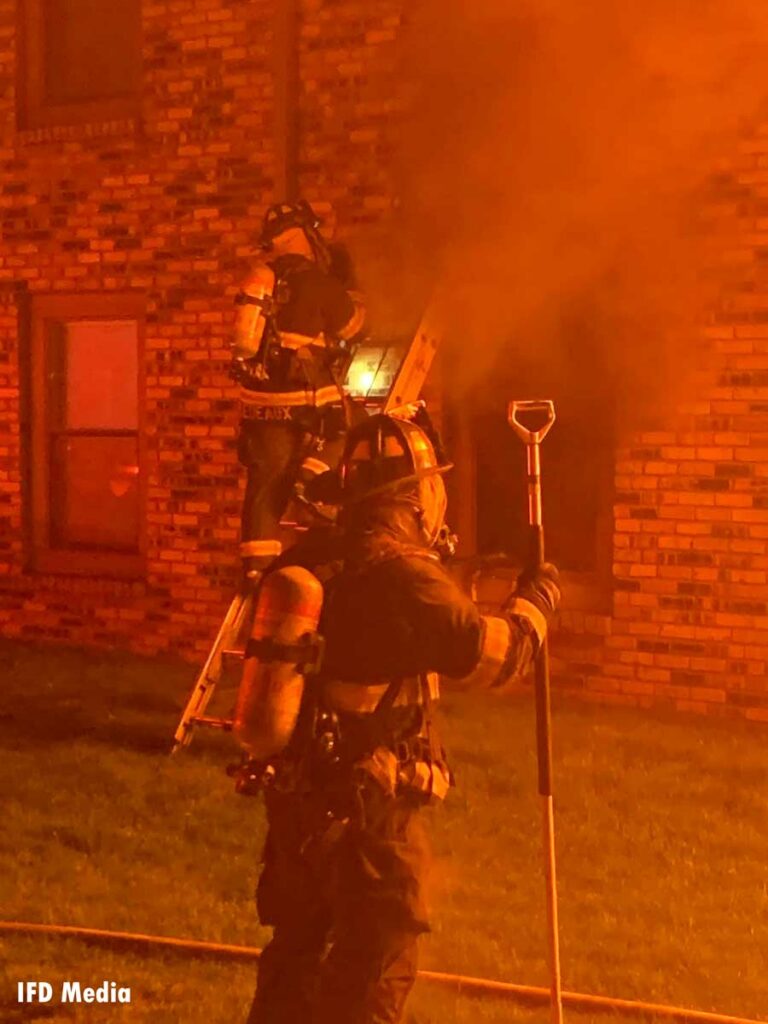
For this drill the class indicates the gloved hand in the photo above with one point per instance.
(323, 489)
(541, 587)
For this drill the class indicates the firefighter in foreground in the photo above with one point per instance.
(297, 317)
(348, 754)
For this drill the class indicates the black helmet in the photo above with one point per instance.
(386, 456)
(386, 453)
(282, 216)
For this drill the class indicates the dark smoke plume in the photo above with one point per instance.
(554, 169)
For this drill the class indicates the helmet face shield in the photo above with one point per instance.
(423, 452)
(433, 503)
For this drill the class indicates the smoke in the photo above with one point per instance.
(554, 171)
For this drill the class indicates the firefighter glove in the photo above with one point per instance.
(540, 586)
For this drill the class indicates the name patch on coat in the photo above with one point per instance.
(267, 412)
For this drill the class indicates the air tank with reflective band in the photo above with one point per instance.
(252, 304)
(288, 609)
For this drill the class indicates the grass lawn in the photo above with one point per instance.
(661, 831)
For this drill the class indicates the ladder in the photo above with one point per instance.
(404, 392)
(237, 618)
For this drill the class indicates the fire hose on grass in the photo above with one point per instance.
(529, 994)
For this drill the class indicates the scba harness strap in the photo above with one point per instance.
(418, 765)
(306, 655)
(266, 302)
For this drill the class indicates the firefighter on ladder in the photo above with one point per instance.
(298, 315)
(346, 756)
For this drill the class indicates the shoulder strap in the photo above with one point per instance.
(387, 699)
(436, 752)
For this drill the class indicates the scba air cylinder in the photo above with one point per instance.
(285, 621)
(253, 307)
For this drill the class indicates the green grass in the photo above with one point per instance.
(661, 838)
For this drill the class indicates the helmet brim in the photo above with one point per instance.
(393, 486)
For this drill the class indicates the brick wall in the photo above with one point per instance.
(169, 206)
(348, 105)
(688, 626)
(11, 522)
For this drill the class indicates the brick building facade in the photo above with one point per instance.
(143, 207)
(163, 202)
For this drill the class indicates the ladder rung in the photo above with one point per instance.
(213, 723)
(233, 652)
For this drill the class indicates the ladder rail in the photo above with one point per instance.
(210, 674)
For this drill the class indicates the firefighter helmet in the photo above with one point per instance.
(282, 216)
(389, 456)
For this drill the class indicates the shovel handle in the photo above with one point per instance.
(527, 435)
(532, 440)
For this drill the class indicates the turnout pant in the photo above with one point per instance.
(346, 905)
(271, 452)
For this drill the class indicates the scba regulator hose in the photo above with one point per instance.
(474, 986)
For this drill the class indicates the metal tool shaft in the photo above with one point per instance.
(532, 440)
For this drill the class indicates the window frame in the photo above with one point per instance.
(34, 111)
(591, 590)
(588, 591)
(62, 308)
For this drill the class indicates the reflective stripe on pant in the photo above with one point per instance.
(359, 887)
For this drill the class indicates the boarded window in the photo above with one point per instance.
(577, 463)
(81, 60)
(577, 455)
(86, 476)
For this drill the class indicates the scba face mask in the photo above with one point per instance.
(433, 505)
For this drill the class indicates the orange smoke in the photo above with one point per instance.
(555, 167)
